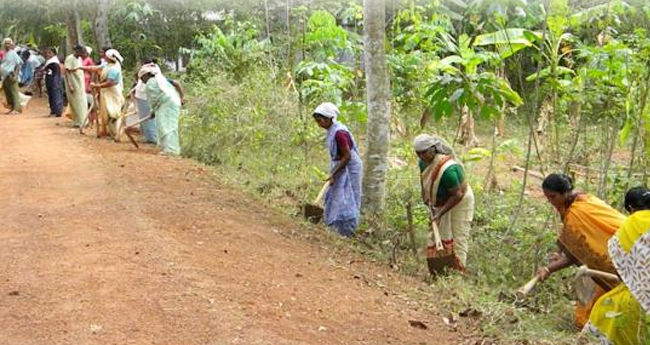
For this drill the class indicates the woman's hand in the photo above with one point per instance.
(555, 257)
(95, 85)
(436, 216)
(543, 273)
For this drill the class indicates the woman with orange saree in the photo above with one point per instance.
(588, 224)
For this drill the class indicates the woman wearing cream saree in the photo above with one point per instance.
(111, 86)
(446, 192)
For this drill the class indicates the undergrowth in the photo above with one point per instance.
(255, 131)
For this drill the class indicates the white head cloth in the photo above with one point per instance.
(149, 68)
(8, 41)
(163, 84)
(89, 50)
(328, 110)
(114, 55)
(424, 142)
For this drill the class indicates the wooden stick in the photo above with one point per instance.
(321, 194)
(411, 233)
(535, 174)
(128, 134)
(436, 236)
(523, 291)
(586, 271)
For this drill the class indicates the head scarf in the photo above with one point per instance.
(163, 83)
(89, 50)
(114, 55)
(424, 142)
(328, 110)
(8, 41)
(149, 68)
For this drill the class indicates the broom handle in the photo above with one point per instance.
(584, 270)
(436, 236)
(524, 290)
(321, 194)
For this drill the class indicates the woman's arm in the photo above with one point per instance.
(93, 69)
(107, 83)
(345, 159)
(455, 196)
(557, 263)
(179, 89)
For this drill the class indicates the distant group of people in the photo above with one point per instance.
(94, 91)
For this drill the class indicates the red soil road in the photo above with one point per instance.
(103, 244)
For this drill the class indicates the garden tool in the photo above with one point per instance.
(314, 212)
(584, 284)
(440, 256)
(523, 291)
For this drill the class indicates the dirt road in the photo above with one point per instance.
(103, 244)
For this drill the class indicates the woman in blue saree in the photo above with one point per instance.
(343, 198)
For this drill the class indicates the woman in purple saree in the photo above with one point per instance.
(343, 198)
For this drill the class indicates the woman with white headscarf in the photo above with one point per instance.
(165, 103)
(110, 83)
(343, 198)
(446, 192)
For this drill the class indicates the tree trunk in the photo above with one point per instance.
(100, 23)
(501, 125)
(73, 25)
(377, 90)
(467, 134)
(544, 114)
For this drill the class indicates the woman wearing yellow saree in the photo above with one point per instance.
(111, 85)
(622, 316)
(588, 224)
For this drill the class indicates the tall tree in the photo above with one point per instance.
(377, 91)
(100, 23)
(73, 24)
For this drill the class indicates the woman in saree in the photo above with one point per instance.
(622, 316)
(75, 88)
(10, 70)
(343, 198)
(139, 94)
(446, 192)
(165, 105)
(110, 87)
(53, 82)
(588, 223)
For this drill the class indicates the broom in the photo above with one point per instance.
(314, 212)
(439, 256)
